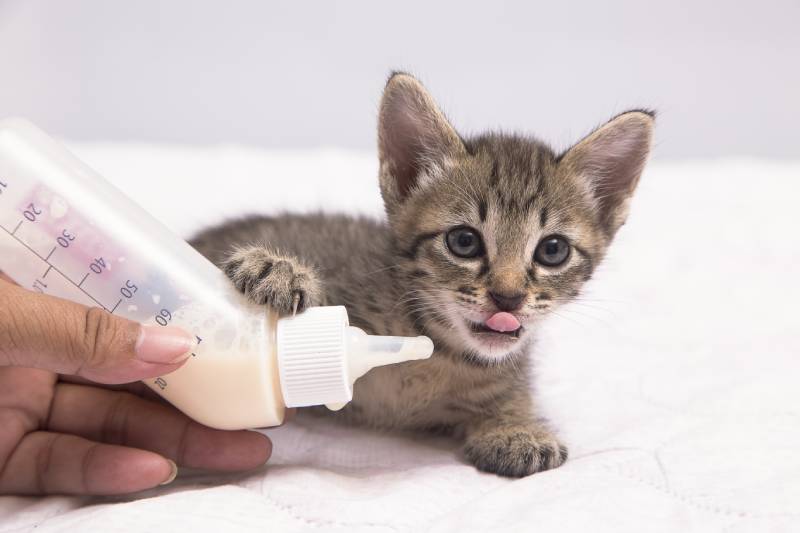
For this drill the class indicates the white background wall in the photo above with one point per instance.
(725, 75)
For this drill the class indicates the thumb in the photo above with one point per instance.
(41, 331)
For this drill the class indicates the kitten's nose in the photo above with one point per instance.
(507, 302)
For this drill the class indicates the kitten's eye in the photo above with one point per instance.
(464, 242)
(552, 251)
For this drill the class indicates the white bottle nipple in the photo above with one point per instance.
(320, 356)
(365, 352)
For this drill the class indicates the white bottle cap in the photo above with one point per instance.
(320, 356)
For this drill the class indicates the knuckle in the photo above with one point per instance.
(87, 466)
(43, 461)
(99, 333)
(15, 328)
(117, 419)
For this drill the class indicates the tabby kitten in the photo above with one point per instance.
(485, 236)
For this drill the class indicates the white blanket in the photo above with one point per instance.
(674, 381)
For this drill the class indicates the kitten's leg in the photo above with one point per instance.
(280, 281)
(511, 443)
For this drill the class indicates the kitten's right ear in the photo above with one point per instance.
(414, 137)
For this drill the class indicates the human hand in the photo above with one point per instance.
(61, 432)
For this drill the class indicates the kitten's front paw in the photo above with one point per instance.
(515, 451)
(272, 279)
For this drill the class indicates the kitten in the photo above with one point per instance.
(485, 236)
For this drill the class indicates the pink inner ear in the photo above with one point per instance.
(612, 159)
(402, 146)
(615, 163)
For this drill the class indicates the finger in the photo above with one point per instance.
(117, 417)
(53, 463)
(137, 387)
(41, 331)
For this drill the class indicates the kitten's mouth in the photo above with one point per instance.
(483, 330)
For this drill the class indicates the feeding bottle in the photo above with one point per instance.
(66, 232)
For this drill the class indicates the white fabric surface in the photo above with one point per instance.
(674, 382)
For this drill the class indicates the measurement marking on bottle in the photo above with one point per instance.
(115, 307)
(34, 252)
(199, 340)
(49, 268)
(50, 254)
(84, 279)
(39, 286)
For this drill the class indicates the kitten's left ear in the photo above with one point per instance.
(611, 159)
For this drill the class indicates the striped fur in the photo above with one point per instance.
(399, 278)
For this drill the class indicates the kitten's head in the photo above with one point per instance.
(496, 231)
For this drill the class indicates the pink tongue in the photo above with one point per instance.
(502, 322)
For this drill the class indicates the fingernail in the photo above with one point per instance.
(164, 345)
(173, 473)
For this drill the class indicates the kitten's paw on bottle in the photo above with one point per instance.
(267, 278)
(514, 451)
